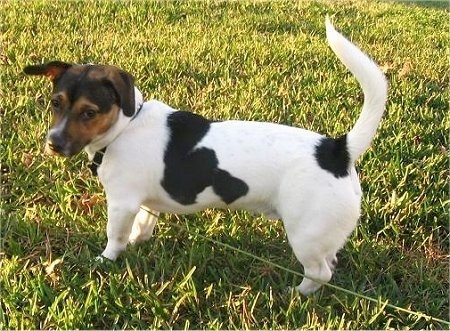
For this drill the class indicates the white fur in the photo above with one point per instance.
(277, 162)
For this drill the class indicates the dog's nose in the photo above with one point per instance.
(52, 148)
(55, 143)
(57, 148)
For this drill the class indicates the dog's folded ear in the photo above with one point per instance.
(52, 70)
(120, 81)
(123, 84)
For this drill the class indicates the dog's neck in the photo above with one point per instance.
(114, 131)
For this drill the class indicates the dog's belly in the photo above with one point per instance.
(166, 204)
(209, 199)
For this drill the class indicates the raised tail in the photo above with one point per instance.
(374, 85)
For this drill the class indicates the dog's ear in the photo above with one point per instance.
(123, 84)
(52, 70)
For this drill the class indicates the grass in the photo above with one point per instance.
(218, 269)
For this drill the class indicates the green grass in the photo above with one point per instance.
(218, 269)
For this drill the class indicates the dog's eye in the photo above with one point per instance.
(88, 115)
(56, 103)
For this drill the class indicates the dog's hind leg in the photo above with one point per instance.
(143, 225)
(312, 254)
(318, 219)
(315, 239)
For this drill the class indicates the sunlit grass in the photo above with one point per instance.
(252, 61)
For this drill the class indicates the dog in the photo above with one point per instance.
(152, 158)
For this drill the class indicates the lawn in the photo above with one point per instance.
(265, 61)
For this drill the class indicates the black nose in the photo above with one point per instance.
(57, 148)
(56, 143)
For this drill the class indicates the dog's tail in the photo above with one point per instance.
(374, 85)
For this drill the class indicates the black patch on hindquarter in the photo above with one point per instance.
(189, 171)
(332, 155)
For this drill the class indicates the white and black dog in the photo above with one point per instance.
(151, 157)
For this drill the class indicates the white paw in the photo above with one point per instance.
(307, 287)
(302, 290)
(113, 249)
(99, 259)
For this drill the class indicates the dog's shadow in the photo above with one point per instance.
(232, 258)
(181, 243)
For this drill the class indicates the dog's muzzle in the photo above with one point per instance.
(58, 144)
(52, 149)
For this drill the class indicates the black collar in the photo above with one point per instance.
(137, 111)
(98, 156)
(97, 160)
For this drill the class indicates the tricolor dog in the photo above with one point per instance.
(151, 157)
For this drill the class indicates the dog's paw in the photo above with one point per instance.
(307, 288)
(297, 290)
(102, 263)
(100, 260)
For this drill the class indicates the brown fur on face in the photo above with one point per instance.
(86, 102)
(77, 125)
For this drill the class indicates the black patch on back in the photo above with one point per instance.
(332, 155)
(189, 171)
(229, 188)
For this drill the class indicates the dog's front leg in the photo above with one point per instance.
(143, 225)
(120, 223)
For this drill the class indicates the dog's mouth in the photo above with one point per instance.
(51, 149)
(66, 150)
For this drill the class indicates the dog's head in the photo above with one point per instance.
(86, 102)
